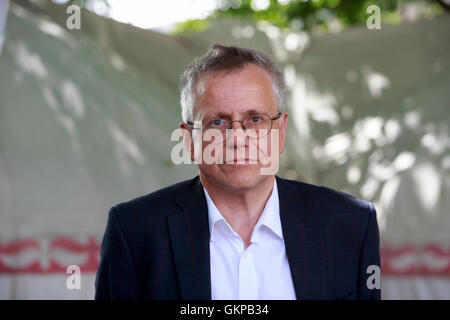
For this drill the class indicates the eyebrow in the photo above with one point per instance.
(227, 115)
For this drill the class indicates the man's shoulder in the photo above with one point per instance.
(160, 199)
(322, 199)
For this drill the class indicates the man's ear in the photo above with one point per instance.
(187, 139)
(283, 125)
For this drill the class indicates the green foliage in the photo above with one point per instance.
(189, 26)
(305, 14)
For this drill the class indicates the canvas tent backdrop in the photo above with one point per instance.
(86, 117)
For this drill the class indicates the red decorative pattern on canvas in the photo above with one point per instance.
(36, 257)
(13, 255)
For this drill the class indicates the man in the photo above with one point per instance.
(237, 231)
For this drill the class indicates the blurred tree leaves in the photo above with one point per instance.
(310, 15)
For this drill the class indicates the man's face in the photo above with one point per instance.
(234, 96)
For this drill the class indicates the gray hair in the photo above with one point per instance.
(222, 58)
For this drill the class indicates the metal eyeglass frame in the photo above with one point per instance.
(190, 124)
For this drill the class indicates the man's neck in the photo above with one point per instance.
(240, 208)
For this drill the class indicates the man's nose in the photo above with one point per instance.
(235, 125)
(238, 134)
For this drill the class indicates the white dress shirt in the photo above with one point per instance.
(259, 272)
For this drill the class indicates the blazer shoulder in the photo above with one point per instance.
(326, 199)
(159, 199)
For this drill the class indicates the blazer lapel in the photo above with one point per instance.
(303, 242)
(189, 235)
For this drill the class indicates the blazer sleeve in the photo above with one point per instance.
(369, 266)
(116, 275)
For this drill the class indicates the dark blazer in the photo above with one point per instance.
(157, 246)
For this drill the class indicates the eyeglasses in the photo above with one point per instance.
(255, 126)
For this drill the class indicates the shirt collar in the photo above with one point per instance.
(213, 214)
(270, 217)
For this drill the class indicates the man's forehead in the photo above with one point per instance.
(244, 89)
(227, 96)
(249, 78)
(216, 89)
(229, 106)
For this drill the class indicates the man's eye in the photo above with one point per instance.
(255, 119)
(216, 123)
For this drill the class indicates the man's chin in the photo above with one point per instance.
(240, 171)
(242, 177)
